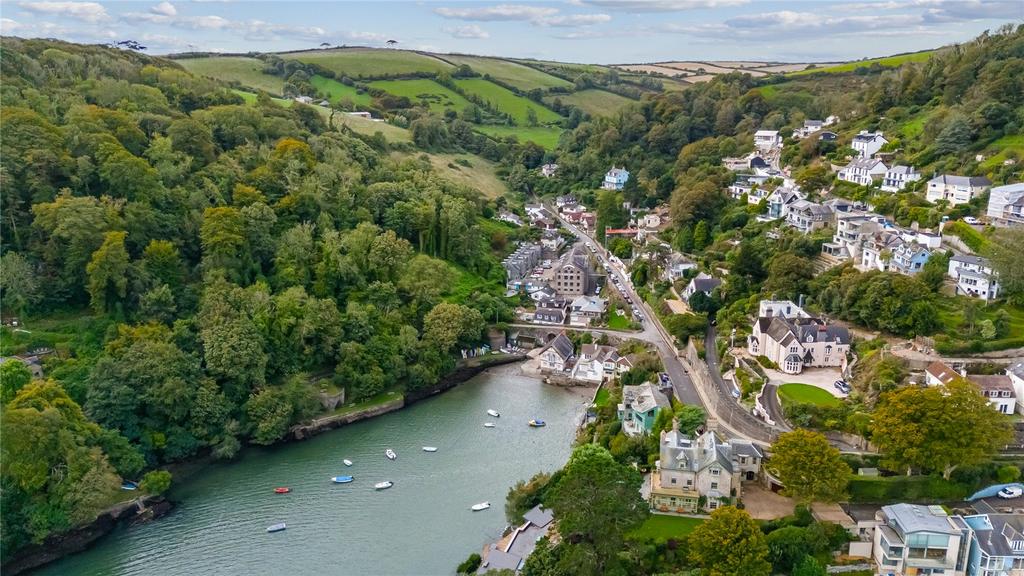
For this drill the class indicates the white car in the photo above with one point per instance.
(1011, 492)
(971, 220)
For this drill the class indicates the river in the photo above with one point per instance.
(422, 525)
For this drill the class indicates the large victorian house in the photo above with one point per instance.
(795, 343)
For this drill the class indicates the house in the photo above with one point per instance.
(585, 309)
(780, 201)
(781, 309)
(867, 143)
(676, 266)
(650, 221)
(574, 276)
(700, 283)
(897, 177)
(558, 355)
(767, 139)
(974, 277)
(892, 249)
(997, 389)
(511, 551)
(513, 219)
(997, 544)
(551, 311)
(551, 240)
(548, 170)
(690, 469)
(908, 258)
(807, 216)
(852, 230)
(588, 220)
(956, 189)
(750, 184)
(629, 233)
(1015, 372)
(565, 200)
(639, 408)
(519, 264)
(939, 374)
(809, 127)
(541, 293)
(598, 362)
(798, 343)
(30, 362)
(615, 179)
(918, 539)
(863, 171)
(1006, 205)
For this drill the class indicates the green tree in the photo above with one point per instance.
(955, 137)
(1008, 260)
(448, 324)
(809, 467)
(809, 566)
(730, 543)
(1008, 473)
(788, 275)
(156, 482)
(19, 287)
(14, 375)
(596, 501)
(701, 236)
(108, 272)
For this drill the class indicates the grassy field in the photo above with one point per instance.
(663, 527)
(436, 96)
(806, 394)
(507, 101)
(370, 62)
(887, 62)
(951, 338)
(336, 91)
(593, 101)
(541, 135)
(616, 322)
(382, 398)
(369, 128)
(602, 397)
(508, 72)
(565, 67)
(1000, 148)
(479, 175)
(246, 71)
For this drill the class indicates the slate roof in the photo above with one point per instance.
(901, 169)
(562, 345)
(538, 516)
(1017, 370)
(996, 531)
(970, 259)
(864, 164)
(644, 398)
(991, 382)
(498, 559)
(746, 448)
(917, 518)
(783, 330)
(680, 452)
(869, 137)
(704, 283)
(950, 179)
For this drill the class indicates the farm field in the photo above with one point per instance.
(512, 73)
(806, 394)
(480, 174)
(369, 127)
(507, 101)
(246, 71)
(567, 67)
(336, 91)
(593, 101)
(888, 62)
(1001, 148)
(369, 62)
(436, 96)
(541, 135)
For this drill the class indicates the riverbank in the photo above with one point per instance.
(81, 538)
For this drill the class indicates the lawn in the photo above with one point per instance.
(601, 399)
(593, 101)
(951, 320)
(887, 62)
(541, 135)
(335, 91)
(508, 72)
(663, 527)
(806, 394)
(616, 322)
(245, 71)
(1000, 148)
(507, 101)
(436, 96)
(370, 62)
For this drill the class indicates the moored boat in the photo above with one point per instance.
(276, 527)
(480, 506)
(488, 424)
(383, 485)
(342, 479)
(282, 490)
(129, 485)
(390, 454)
(347, 462)
(493, 412)
(537, 423)
(430, 449)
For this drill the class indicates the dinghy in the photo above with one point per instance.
(342, 479)
(347, 462)
(537, 423)
(493, 412)
(390, 454)
(430, 449)
(276, 527)
(480, 506)
(488, 424)
(383, 485)
(282, 490)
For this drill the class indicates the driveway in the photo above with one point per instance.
(763, 504)
(818, 377)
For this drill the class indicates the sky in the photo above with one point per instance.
(591, 31)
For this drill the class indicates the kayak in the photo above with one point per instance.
(276, 527)
(282, 490)
(429, 449)
(537, 423)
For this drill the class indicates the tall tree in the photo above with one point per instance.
(19, 286)
(809, 467)
(728, 544)
(108, 272)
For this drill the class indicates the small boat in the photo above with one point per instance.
(430, 449)
(282, 490)
(129, 485)
(276, 527)
(488, 424)
(383, 485)
(480, 506)
(537, 423)
(342, 479)
(390, 454)
(347, 462)
(493, 412)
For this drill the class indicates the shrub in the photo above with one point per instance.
(1008, 473)
(156, 482)
(469, 565)
(767, 363)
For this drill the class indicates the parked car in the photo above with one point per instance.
(841, 385)
(1011, 492)
(971, 220)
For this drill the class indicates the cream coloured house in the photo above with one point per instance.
(798, 343)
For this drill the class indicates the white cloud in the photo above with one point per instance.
(8, 26)
(660, 5)
(469, 31)
(506, 12)
(165, 8)
(574, 20)
(85, 11)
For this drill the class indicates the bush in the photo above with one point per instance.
(469, 565)
(1008, 473)
(156, 482)
(767, 363)
(906, 489)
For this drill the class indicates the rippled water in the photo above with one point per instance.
(422, 525)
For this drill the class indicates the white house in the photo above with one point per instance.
(700, 283)
(615, 179)
(867, 143)
(974, 277)
(1015, 372)
(558, 355)
(939, 374)
(918, 539)
(548, 170)
(798, 343)
(676, 266)
(781, 201)
(956, 189)
(509, 217)
(597, 362)
(807, 216)
(767, 139)
(897, 177)
(831, 120)
(863, 171)
(1006, 205)
(585, 309)
(780, 308)
(997, 389)
(809, 127)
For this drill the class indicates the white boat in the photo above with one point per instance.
(390, 454)
(488, 424)
(347, 462)
(480, 506)
(493, 412)
(430, 448)
(383, 485)
(276, 527)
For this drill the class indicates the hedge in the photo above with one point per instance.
(886, 489)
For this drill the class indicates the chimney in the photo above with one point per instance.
(675, 424)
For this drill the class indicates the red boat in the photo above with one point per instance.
(282, 490)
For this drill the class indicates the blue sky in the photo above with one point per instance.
(598, 31)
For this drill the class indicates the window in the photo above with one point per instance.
(715, 471)
(714, 485)
(673, 480)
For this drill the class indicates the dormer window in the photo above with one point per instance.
(715, 471)
(810, 338)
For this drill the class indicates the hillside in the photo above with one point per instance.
(694, 71)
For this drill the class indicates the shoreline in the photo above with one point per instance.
(81, 538)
